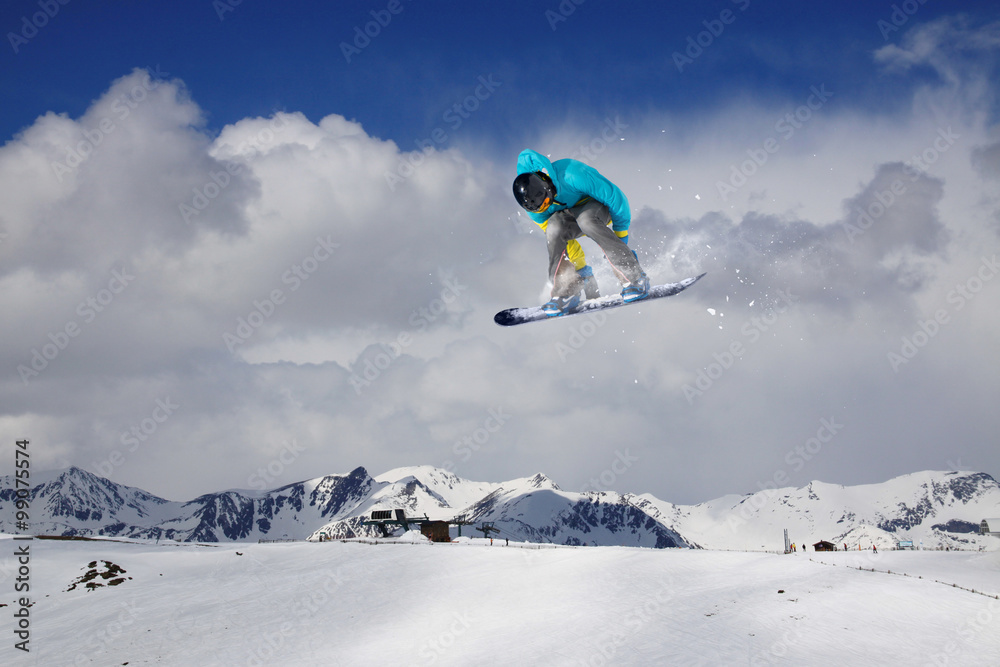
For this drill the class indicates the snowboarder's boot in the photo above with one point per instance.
(560, 305)
(637, 290)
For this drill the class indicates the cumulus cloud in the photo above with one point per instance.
(961, 52)
(144, 256)
(869, 249)
(293, 279)
(986, 160)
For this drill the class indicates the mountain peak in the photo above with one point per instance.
(541, 481)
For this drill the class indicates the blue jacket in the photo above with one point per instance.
(575, 181)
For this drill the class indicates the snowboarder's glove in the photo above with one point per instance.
(623, 236)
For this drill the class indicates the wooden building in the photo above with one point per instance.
(435, 531)
(823, 545)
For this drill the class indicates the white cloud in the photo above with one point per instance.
(304, 295)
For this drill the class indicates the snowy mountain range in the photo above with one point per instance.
(935, 509)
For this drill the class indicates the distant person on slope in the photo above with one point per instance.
(569, 199)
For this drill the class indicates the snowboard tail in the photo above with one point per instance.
(514, 316)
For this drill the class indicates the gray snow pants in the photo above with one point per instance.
(590, 219)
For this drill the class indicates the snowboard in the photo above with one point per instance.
(514, 316)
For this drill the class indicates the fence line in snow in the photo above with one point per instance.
(904, 574)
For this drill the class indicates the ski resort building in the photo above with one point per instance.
(823, 545)
(990, 527)
(435, 531)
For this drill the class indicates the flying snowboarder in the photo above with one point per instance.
(569, 199)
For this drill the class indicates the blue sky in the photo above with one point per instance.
(300, 252)
(603, 58)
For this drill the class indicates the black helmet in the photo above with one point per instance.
(534, 191)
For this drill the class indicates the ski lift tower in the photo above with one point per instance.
(487, 528)
(392, 517)
(461, 520)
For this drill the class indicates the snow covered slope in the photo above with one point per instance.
(76, 502)
(73, 500)
(533, 509)
(937, 509)
(452, 490)
(536, 510)
(419, 490)
(469, 603)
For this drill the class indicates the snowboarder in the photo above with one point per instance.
(569, 199)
